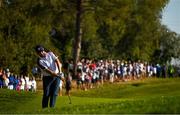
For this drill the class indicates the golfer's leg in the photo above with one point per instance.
(53, 100)
(46, 91)
(54, 93)
(45, 101)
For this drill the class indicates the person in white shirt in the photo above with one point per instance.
(27, 84)
(22, 80)
(33, 85)
(51, 69)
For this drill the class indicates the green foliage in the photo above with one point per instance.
(125, 29)
(170, 44)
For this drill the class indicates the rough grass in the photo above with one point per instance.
(143, 96)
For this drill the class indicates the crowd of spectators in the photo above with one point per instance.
(12, 81)
(91, 73)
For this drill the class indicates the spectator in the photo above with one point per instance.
(6, 80)
(33, 85)
(18, 88)
(11, 81)
(171, 71)
(79, 79)
(27, 84)
(1, 78)
(159, 70)
(164, 71)
(68, 80)
(22, 81)
(15, 82)
(8, 73)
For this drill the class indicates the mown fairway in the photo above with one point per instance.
(145, 96)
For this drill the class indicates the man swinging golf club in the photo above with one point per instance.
(51, 68)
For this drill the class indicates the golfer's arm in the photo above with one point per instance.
(51, 72)
(45, 68)
(58, 65)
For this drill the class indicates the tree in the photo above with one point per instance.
(170, 45)
(78, 36)
(125, 29)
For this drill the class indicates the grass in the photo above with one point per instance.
(144, 96)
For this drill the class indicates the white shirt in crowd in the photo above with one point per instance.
(33, 85)
(22, 84)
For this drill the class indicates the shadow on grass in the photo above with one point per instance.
(137, 84)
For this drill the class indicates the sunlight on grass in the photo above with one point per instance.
(148, 96)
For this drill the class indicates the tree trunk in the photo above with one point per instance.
(78, 36)
(0, 3)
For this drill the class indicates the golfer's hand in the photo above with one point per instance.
(54, 74)
(61, 76)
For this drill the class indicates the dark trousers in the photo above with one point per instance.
(50, 90)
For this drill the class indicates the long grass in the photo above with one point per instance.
(143, 96)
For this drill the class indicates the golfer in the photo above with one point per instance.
(51, 67)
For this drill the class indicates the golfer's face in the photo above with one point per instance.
(41, 54)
